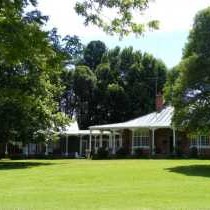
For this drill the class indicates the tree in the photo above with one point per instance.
(172, 76)
(191, 92)
(93, 54)
(29, 74)
(125, 86)
(198, 39)
(83, 85)
(70, 50)
(123, 23)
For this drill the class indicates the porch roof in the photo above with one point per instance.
(160, 119)
(86, 133)
(73, 130)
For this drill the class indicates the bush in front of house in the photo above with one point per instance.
(138, 152)
(102, 153)
(194, 152)
(122, 152)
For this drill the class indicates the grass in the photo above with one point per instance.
(104, 185)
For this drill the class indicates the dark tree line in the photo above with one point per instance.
(113, 85)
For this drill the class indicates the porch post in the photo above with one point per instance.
(90, 139)
(153, 141)
(101, 139)
(95, 138)
(80, 146)
(174, 141)
(120, 139)
(95, 143)
(6, 149)
(67, 145)
(132, 143)
(46, 151)
(114, 144)
(110, 140)
(199, 144)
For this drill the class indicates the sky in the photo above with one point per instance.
(175, 16)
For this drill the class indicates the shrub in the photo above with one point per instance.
(102, 153)
(122, 152)
(194, 152)
(138, 152)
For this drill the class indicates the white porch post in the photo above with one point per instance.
(26, 152)
(132, 143)
(95, 142)
(110, 140)
(90, 140)
(67, 145)
(47, 150)
(101, 139)
(174, 140)
(114, 144)
(120, 139)
(153, 141)
(80, 145)
(95, 145)
(199, 144)
(6, 149)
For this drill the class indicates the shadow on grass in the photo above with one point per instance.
(20, 165)
(192, 170)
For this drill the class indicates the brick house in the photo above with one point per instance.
(151, 134)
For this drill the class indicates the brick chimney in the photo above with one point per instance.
(159, 102)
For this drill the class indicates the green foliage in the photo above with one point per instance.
(123, 23)
(101, 154)
(69, 48)
(122, 152)
(119, 86)
(191, 80)
(30, 71)
(138, 152)
(93, 54)
(194, 152)
(198, 40)
(172, 76)
(84, 82)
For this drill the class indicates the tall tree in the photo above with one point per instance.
(191, 96)
(84, 84)
(70, 50)
(29, 73)
(93, 54)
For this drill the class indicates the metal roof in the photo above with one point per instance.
(160, 119)
(73, 130)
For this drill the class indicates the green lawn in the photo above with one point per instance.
(104, 185)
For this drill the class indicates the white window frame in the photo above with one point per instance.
(201, 141)
(194, 141)
(141, 139)
(204, 141)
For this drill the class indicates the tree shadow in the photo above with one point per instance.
(20, 165)
(192, 170)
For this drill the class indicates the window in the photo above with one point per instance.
(141, 138)
(201, 141)
(194, 141)
(204, 140)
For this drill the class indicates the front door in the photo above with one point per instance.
(163, 141)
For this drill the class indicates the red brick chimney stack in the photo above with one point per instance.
(159, 102)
